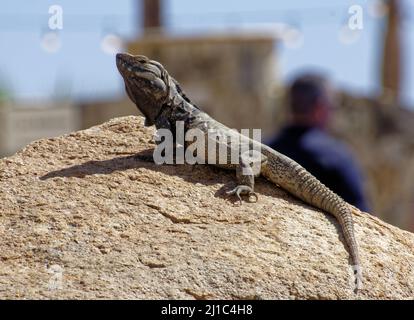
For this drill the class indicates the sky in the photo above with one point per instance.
(81, 63)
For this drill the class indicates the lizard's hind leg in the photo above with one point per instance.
(248, 168)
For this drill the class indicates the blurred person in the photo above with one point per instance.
(305, 139)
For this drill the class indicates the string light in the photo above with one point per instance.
(112, 43)
(51, 42)
(293, 38)
(311, 15)
(347, 36)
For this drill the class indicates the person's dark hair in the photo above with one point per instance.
(305, 91)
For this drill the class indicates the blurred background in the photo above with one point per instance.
(233, 58)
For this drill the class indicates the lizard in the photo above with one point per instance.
(163, 103)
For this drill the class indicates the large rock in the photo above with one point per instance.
(82, 217)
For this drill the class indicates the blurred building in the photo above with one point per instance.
(227, 75)
(22, 123)
(381, 134)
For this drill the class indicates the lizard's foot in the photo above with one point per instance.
(241, 190)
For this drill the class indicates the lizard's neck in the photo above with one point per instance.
(183, 110)
(177, 109)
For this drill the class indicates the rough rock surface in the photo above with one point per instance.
(82, 217)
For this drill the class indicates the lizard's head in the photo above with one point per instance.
(147, 84)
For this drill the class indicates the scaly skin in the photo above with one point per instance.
(161, 100)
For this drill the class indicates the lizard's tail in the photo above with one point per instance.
(322, 197)
(342, 211)
(305, 186)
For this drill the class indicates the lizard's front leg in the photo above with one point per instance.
(248, 168)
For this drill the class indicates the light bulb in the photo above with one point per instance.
(51, 42)
(111, 43)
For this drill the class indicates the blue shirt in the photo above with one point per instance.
(326, 158)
